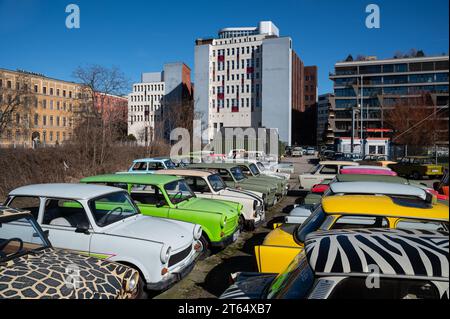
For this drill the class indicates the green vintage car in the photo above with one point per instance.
(252, 172)
(234, 178)
(171, 197)
(417, 167)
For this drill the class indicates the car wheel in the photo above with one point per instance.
(206, 250)
(416, 175)
(142, 293)
(241, 223)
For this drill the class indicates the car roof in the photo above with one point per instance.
(368, 167)
(68, 191)
(378, 188)
(152, 159)
(213, 165)
(382, 205)
(371, 178)
(339, 163)
(394, 253)
(140, 179)
(184, 172)
(6, 212)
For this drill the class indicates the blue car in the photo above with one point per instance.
(151, 165)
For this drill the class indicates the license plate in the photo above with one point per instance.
(236, 235)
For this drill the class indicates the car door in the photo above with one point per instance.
(150, 200)
(67, 224)
(28, 203)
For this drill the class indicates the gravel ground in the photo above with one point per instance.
(210, 277)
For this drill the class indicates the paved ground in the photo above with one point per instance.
(210, 277)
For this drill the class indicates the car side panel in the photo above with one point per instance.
(274, 259)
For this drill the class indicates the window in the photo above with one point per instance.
(65, 213)
(36, 119)
(350, 222)
(30, 204)
(356, 288)
(422, 225)
(197, 184)
(112, 208)
(155, 166)
(329, 169)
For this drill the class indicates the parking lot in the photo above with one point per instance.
(210, 277)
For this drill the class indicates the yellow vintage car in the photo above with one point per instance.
(346, 212)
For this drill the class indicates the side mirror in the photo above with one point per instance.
(82, 229)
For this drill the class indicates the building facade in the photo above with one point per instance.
(155, 98)
(323, 114)
(43, 109)
(248, 78)
(380, 85)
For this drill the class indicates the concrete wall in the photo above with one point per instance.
(277, 86)
(201, 75)
(151, 77)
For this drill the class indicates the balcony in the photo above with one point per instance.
(235, 109)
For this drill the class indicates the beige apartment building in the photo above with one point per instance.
(45, 113)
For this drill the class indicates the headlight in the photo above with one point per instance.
(132, 283)
(197, 232)
(223, 221)
(165, 253)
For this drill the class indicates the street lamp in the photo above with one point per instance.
(362, 150)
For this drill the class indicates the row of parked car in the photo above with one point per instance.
(355, 223)
(128, 233)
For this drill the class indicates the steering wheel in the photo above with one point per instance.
(104, 219)
(178, 194)
(6, 242)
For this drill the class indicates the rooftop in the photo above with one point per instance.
(139, 179)
(66, 191)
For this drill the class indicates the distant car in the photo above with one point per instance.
(150, 165)
(417, 167)
(377, 160)
(310, 151)
(441, 187)
(103, 222)
(297, 152)
(337, 264)
(30, 268)
(326, 155)
(208, 185)
(325, 170)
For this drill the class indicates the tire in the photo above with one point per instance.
(206, 249)
(416, 175)
(142, 293)
(241, 223)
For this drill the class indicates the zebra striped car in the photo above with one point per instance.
(357, 264)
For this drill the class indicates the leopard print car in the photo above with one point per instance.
(52, 273)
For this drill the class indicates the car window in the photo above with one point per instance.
(20, 236)
(314, 169)
(350, 222)
(254, 169)
(388, 288)
(28, 203)
(197, 184)
(170, 164)
(111, 208)
(147, 195)
(178, 191)
(329, 169)
(155, 166)
(421, 225)
(216, 182)
(140, 166)
(65, 213)
(237, 173)
(311, 224)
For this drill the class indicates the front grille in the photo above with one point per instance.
(175, 259)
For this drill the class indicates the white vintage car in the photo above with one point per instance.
(209, 185)
(326, 170)
(103, 222)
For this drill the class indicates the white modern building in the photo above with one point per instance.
(243, 78)
(151, 96)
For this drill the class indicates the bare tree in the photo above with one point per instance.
(99, 122)
(16, 99)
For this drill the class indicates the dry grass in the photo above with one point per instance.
(19, 167)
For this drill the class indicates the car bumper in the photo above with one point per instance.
(253, 223)
(175, 276)
(226, 241)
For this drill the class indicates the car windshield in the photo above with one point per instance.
(254, 169)
(112, 208)
(216, 182)
(314, 169)
(295, 282)
(178, 191)
(20, 236)
(261, 166)
(237, 173)
(170, 164)
(311, 224)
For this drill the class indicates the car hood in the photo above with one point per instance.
(282, 236)
(174, 233)
(254, 185)
(207, 205)
(249, 286)
(52, 273)
(236, 193)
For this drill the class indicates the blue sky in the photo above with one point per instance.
(139, 36)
